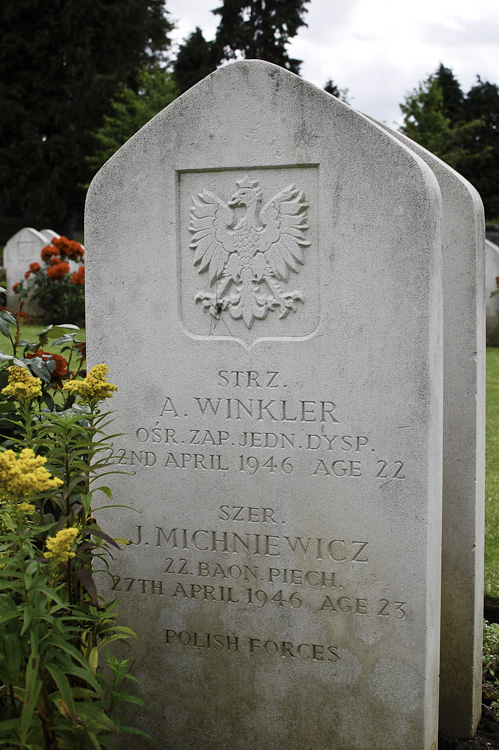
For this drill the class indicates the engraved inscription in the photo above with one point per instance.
(252, 645)
(248, 250)
(264, 429)
(249, 558)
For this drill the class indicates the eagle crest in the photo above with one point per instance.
(248, 249)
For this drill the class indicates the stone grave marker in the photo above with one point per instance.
(463, 449)
(21, 250)
(491, 302)
(49, 234)
(264, 282)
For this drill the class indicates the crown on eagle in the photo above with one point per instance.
(247, 182)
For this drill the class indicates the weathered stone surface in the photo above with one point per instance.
(284, 433)
(21, 250)
(492, 303)
(49, 234)
(464, 449)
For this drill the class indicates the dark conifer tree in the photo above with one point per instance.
(333, 89)
(452, 94)
(196, 59)
(60, 64)
(260, 29)
(482, 106)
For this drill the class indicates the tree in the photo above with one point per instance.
(130, 110)
(60, 64)
(196, 59)
(452, 94)
(482, 107)
(259, 29)
(332, 88)
(424, 117)
(461, 130)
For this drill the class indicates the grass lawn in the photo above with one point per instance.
(31, 332)
(492, 480)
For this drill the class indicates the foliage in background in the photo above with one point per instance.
(58, 290)
(53, 628)
(332, 88)
(492, 481)
(248, 29)
(259, 30)
(60, 65)
(131, 109)
(490, 660)
(460, 129)
(196, 59)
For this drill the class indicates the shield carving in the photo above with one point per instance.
(248, 254)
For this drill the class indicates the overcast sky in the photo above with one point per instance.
(380, 49)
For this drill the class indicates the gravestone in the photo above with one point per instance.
(21, 250)
(463, 449)
(264, 282)
(492, 302)
(49, 234)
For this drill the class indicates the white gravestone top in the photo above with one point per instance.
(21, 250)
(492, 301)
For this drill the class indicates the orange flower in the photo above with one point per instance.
(75, 250)
(47, 252)
(61, 243)
(79, 276)
(34, 267)
(27, 274)
(57, 270)
(14, 288)
(61, 365)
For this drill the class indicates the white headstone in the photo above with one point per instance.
(281, 390)
(492, 302)
(464, 449)
(49, 234)
(21, 250)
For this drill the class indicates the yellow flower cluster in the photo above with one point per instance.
(24, 474)
(22, 385)
(26, 507)
(59, 546)
(94, 387)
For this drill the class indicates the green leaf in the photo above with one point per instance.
(48, 400)
(8, 317)
(88, 583)
(135, 731)
(67, 338)
(106, 491)
(40, 368)
(7, 617)
(64, 688)
(4, 328)
(93, 739)
(33, 687)
(53, 332)
(95, 531)
(28, 613)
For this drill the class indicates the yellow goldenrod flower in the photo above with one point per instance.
(94, 387)
(22, 385)
(26, 507)
(24, 474)
(59, 546)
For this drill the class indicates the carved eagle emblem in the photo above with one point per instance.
(248, 249)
